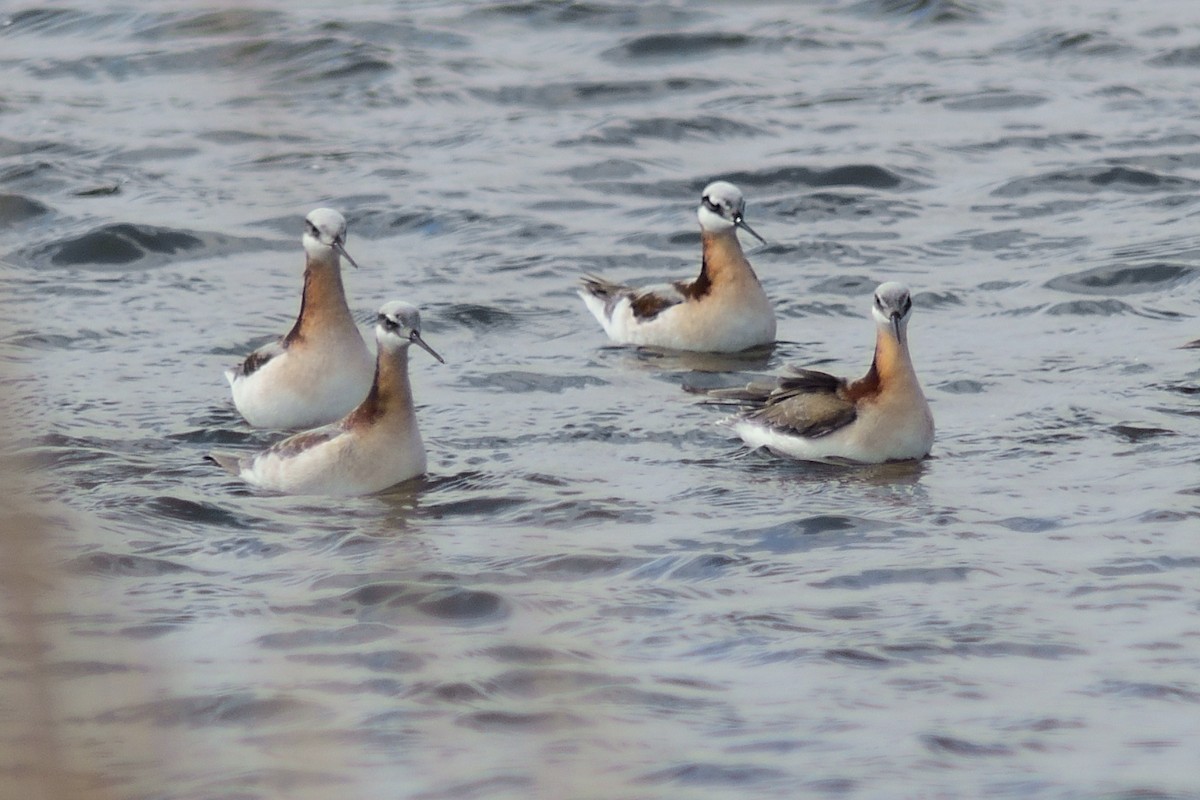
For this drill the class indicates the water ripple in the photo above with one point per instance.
(679, 45)
(1125, 279)
(594, 93)
(1089, 180)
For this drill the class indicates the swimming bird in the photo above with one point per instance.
(814, 416)
(723, 310)
(322, 368)
(375, 446)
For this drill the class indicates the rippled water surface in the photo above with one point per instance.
(596, 592)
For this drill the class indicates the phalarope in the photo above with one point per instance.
(322, 368)
(723, 310)
(375, 446)
(814, 416)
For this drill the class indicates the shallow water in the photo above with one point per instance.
(596, 591)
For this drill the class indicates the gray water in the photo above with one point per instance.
(596, 592)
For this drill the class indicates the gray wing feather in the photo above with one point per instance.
(227, 461)
(805, 403)
(808, 414)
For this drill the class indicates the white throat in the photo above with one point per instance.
(884, 323)
(318, 250)
(712, 221)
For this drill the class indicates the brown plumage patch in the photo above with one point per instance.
(260, 356)
(370, 409)
(296, 333)
(649, 305)
(866, 387)
(698, 288)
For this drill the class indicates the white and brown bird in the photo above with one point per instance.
(375, 446)
(322, 368)
(814, 416)
(723, 310)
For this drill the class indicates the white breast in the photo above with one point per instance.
(305, 388)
